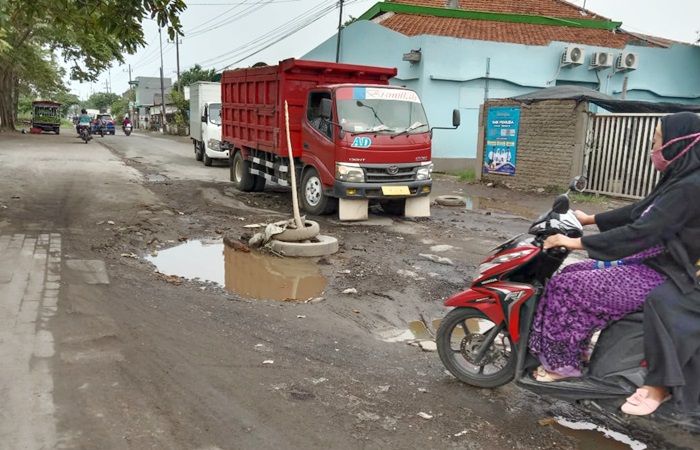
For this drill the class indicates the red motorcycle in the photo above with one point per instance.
(483, 340)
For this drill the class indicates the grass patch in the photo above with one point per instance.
(466, 175)
(582, 197)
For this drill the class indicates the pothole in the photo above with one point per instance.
(250, 275)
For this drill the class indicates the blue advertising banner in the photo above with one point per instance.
(502, 125)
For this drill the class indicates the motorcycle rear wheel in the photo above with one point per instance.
(460, 335)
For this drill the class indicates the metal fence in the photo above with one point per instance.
(617, 154)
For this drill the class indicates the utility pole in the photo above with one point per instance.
(177, 58)
(162, 87)
(131, 108)
(340, 30)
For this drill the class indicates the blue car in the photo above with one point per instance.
(107, 121)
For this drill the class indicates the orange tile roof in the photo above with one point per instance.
(552, 8)
(517, 33)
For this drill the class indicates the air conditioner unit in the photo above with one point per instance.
(601, 60)
(627, 61)
(572, 55)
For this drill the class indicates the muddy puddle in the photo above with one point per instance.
(250, 275)
(474, 203)
(594, 437)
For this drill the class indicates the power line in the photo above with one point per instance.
(242, 14)
(238, 3)
(284, 36)
(297, 23)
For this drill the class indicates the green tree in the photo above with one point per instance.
(67, 100)
(121, 106)
(194, 73)
(183, 108)
(102, 100)
(89, 35)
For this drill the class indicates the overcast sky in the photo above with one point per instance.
(223, 32)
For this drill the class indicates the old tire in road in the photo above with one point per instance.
(326, 245)
(310, 230)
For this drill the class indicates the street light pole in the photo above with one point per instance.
(162, 87)
(340, 30)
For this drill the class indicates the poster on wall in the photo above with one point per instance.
(501, 150)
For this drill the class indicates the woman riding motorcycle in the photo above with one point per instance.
(659, 238)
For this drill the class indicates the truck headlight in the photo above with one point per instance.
(424, 171)
(350, 172)
(214, 144)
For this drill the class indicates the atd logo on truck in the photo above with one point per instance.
(361, 142)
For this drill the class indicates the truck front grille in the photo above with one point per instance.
(390, 173)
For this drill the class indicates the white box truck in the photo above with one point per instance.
(205, 121)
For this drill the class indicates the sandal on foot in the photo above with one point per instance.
(640, 404)
(544, 376)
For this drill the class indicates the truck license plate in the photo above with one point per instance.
(395, 190)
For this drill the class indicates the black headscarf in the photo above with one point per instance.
(674, 126)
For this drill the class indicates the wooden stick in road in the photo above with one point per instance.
(293, 174)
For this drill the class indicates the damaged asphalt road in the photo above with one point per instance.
(130, 358)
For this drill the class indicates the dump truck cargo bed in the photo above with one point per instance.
(253, 99)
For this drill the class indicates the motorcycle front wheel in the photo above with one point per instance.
(462, 334)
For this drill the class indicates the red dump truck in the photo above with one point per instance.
(354, 137)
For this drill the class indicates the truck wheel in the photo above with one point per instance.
(313, 199)
(57, 130)
(259, 185)
(240, 173)
(207, 160)
(394, 207)
(197, 151)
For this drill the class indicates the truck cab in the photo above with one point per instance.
(211, 133)
(365, 142)
(205, 122)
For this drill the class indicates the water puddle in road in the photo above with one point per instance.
(250, 275)
(489, 204)
(594, 437)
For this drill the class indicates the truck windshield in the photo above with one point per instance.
(365, 109)
(215, 113)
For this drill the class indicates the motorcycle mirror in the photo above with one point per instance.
(579, 183)
(561, 204)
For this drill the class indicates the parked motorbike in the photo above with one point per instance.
(126, 128)
(84, 132)
(483, 340)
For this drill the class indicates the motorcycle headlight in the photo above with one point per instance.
(214, 144)
(424, 172)
(350, 172)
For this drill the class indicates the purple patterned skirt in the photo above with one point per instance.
(585, 297)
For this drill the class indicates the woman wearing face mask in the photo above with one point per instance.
(648, 248)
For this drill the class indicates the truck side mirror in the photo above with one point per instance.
(456, 118)
(204, 118)
(326, 104)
